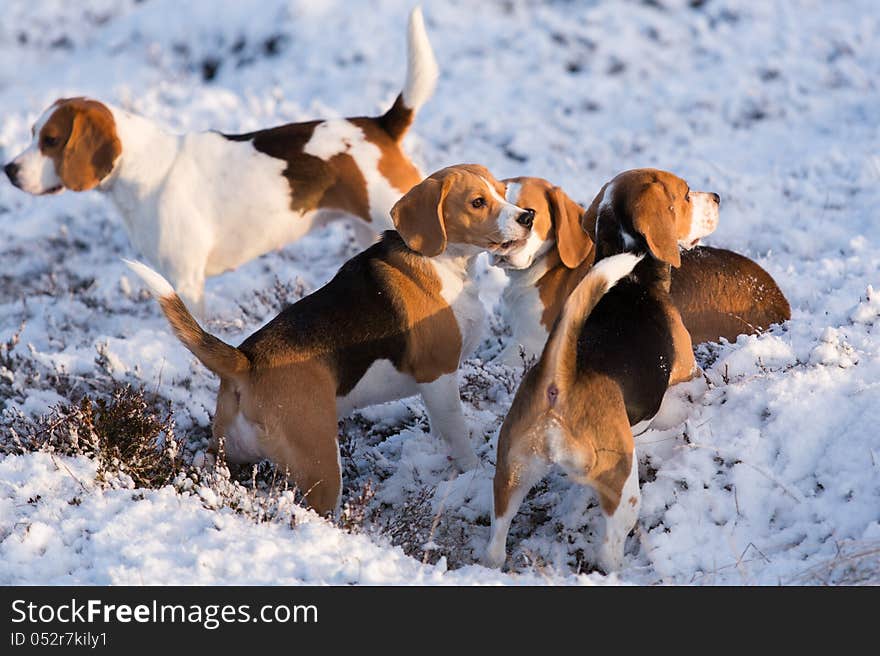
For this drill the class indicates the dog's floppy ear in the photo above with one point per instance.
(588, 218)
(653, 218)
(91, 148)
(572, 241)
(418, 216)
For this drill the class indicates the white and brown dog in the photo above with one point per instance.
(609, 359)
(229, 198)
(397, 320)
(718, 293)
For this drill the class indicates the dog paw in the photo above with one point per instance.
(467, 462)
(493, 558)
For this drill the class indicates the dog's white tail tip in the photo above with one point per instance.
(421, 66)
(615, 267)
(159, 287)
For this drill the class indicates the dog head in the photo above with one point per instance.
(557, 221)
(74, 147)
(462, 205)
(650, 210)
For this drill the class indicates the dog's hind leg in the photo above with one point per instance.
(303, 438)
(620, 501)
(606, 462)
(519, 468)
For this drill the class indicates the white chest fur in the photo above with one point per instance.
(458, 289)
(522, 309)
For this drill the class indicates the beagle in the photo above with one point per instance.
(196, 205)
(396, 320)
(618, 345)
(717, 292)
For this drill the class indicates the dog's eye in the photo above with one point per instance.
(49, 142)
(687, 196)
(477, 203)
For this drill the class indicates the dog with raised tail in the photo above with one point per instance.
(196, 205)
(618, 345)
(395, 321)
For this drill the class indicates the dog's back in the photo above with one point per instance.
(361, 316)
(628, 339)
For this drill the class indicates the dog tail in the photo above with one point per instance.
(216, 355)
(421, 78)
(560, 353)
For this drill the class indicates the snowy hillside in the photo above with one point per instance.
(773, 474)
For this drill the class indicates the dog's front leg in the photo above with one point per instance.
(443, 404)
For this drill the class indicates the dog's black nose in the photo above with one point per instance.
(716, 198)
(526, 218)
(11, 170)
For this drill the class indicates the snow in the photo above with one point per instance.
(766, 472)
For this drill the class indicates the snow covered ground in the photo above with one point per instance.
(773, 474)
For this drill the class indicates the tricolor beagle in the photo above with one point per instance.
(609, 359)
(196, 205)
(396, 320)
(718, 293)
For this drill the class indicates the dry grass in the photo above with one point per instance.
(857, 562)
(127, 433)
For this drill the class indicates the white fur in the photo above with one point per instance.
(443, 403)
(381, 383)
(243, 441)
(522, 308)
(704, 217)
(521, 302)
(159, 287)
(421, 66)
(457, 275)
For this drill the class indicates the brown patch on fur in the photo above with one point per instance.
(309, 177)
(337, 183)
(85, 144)
(591, 438)
(349, 189)
(433, 339)
(720, 293)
